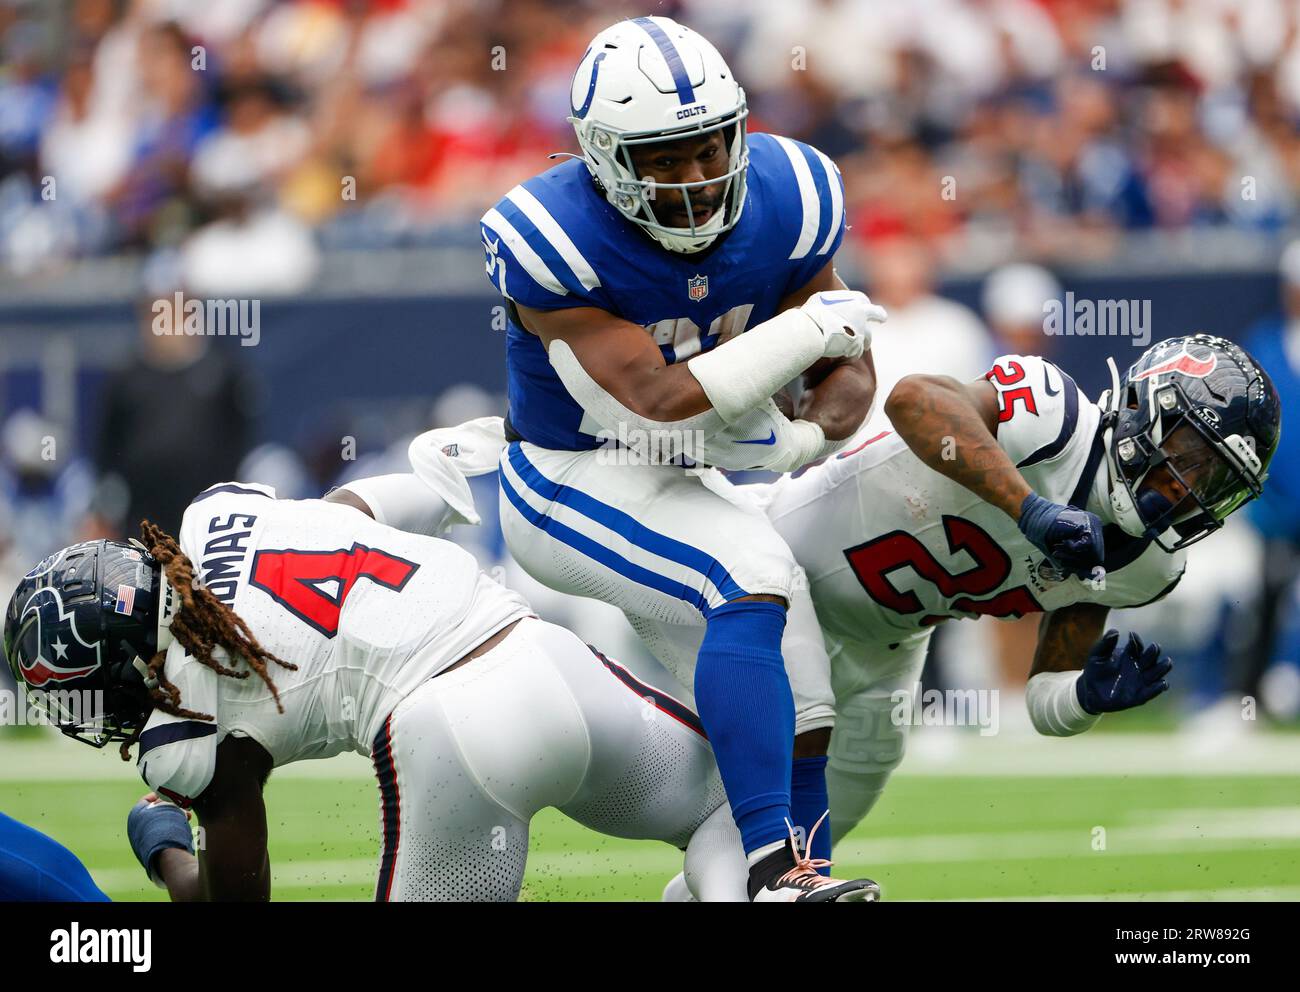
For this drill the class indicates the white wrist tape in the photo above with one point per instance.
(622, 424)
(813, 445)
(829, 447)
(741, 373)
(806, 442)
(1054, 707)
(403, 501)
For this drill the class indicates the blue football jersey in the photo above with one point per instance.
(554, 242)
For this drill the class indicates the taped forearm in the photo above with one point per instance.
(624, 425)
(741, 373)
(1054, 707)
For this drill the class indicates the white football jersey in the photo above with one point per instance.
(891, 546)
(366, 612)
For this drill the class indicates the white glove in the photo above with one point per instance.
(763, 439)
(444, 458)
(474, 447)
(844, 316)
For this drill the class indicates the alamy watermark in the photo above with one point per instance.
(945, 708)
(196, 317)
(50, 708)
(74, 945)
(657, 446)
(1099, 318)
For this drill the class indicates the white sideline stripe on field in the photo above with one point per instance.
(1207, 835)
(1013, 756)
(1192, 829)
(953, 752)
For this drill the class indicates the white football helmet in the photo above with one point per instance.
(647, 80)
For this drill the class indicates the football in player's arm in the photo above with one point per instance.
(630, 368)
(661, 290)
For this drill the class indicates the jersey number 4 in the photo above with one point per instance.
(313, 585)
(874, 561)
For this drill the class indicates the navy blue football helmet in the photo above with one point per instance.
(1189, 434)
(81, 627)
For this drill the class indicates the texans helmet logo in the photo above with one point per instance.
(1184, 363)
(46, 564)
(52, 617)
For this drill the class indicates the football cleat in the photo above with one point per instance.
(791, 875)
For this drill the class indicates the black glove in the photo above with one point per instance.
(1119, 678)
(1070, 538)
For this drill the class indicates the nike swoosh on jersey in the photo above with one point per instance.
(1047, 384)
(770, 439)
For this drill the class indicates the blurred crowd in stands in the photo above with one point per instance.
(252, 133)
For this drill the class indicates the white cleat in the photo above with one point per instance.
(789, 875)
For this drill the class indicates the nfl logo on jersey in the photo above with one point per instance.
(697, 288)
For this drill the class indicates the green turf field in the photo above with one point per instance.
(1204, 829)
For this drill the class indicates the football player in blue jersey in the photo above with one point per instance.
(37, 868)
(630, 274)
(660, 289)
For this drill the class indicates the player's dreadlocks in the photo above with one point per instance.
(201, 623)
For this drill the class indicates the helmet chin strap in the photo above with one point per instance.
(168, 604)
(1122, 508)
(687, 242)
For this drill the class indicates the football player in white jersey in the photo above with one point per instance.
(280, 630)
(938, 514)
(943, 510)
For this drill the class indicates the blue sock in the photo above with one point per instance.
(808, 801)
(745, 703)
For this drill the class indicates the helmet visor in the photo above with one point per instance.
(1193, 483)
(675, 208)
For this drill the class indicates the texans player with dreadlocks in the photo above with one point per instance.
(279, 630)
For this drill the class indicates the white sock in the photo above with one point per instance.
(715, 861)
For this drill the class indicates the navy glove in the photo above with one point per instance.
(1070, 538)
(154, 827)
(1120, 677)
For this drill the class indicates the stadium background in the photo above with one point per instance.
(330, 158)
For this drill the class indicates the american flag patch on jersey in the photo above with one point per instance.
(125, 599)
